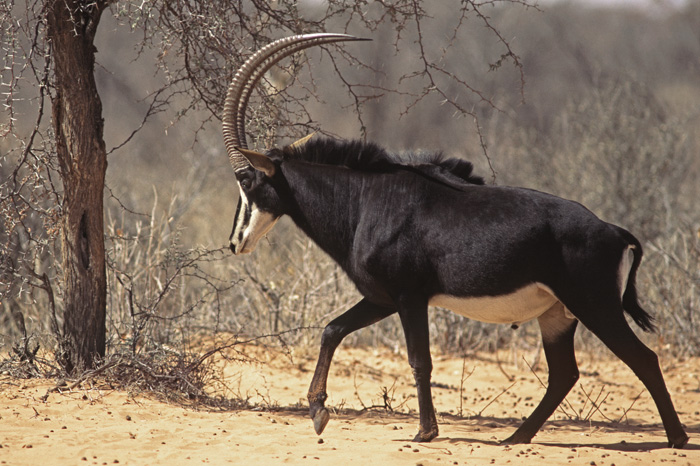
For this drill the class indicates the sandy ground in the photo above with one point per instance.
(375, 417)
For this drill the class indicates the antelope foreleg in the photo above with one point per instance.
(359, 316)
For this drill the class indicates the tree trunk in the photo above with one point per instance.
(80, 147)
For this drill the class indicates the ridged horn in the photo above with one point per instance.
(247, 76)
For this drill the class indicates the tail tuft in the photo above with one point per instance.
(629, 298)
(635, 311)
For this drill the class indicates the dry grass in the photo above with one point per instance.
(624, 146)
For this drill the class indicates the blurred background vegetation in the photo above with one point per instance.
(605, 110)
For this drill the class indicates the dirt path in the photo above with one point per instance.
(375, 398)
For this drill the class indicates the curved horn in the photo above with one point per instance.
(247, 76)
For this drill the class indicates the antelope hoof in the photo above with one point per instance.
(425, 437)
(515, 439)
(679, 442)
(320, 419)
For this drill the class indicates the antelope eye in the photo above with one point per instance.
(245, 183)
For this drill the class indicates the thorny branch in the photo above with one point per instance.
(213, 50)
(199, 45)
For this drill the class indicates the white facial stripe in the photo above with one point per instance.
(252, 224)
(241, 220)
(260, 224)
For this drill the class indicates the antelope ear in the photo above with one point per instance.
(258, 161)
(300, 142)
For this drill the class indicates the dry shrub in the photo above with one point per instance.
(612, 149)
(158, 290)
(672, 284)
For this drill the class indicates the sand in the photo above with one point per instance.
(374, 421)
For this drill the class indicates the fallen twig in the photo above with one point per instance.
(494, 399)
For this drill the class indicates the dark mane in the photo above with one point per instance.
(363, 156)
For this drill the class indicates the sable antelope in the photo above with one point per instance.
(419, 231)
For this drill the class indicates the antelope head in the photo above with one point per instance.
(259, 206)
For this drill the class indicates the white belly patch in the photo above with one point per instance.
(525, 304)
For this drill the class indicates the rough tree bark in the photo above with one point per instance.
(78, 125)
